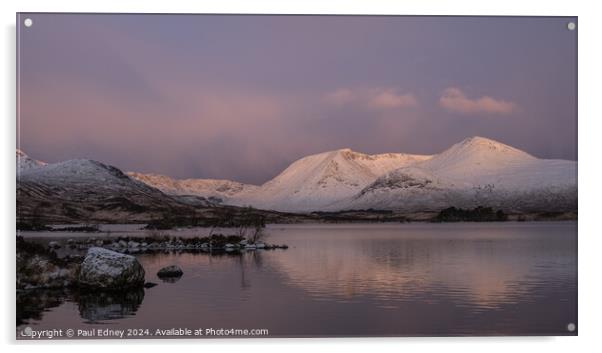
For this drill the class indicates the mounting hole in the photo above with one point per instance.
(28, 22)
(27, 331)
(571, 327)
(571, 26)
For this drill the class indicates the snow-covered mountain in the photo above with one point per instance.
(24, 162)
(474, 172)
(86, 189)
(317, 181)
(77, 173)
(217, 189)
(476, 160)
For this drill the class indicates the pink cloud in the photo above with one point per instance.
(389, 99)
(373, 98)
(341, 96)
(454, 100)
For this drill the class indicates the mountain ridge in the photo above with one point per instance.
(315, 181)
(476, 171)
(219, 189)
(24, 162)
(87, 189)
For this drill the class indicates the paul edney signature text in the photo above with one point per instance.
(141, 333)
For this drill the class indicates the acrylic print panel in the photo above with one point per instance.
(210, 176)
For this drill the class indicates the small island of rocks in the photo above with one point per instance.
(109, 264)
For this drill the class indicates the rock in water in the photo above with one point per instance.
(39, 271)
(170, 271)
(108, 269)
(39, 267)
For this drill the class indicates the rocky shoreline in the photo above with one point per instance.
(133, 245)
(109, 263)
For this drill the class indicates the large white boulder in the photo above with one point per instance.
(108, 269)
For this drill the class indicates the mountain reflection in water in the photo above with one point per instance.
(391, 279)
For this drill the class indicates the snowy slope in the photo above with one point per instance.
(316, 181)
(476, 159)
(82, 172)
(481, 161)
(408, 189)
(86, 189)
(474, 172)
(24, 162)
(208, 188)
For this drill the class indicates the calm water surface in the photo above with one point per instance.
(345, 280)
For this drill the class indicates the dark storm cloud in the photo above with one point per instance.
(241, 97)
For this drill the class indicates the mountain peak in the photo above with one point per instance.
(474, 156)
(317, 180)
(24, 162)
(482, 141)
(478, 140)
(483, 145)
(74, 169)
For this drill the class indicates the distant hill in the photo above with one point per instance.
(474, 172)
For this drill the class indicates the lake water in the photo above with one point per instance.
(414, 279)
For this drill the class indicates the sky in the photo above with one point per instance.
(241, 97)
